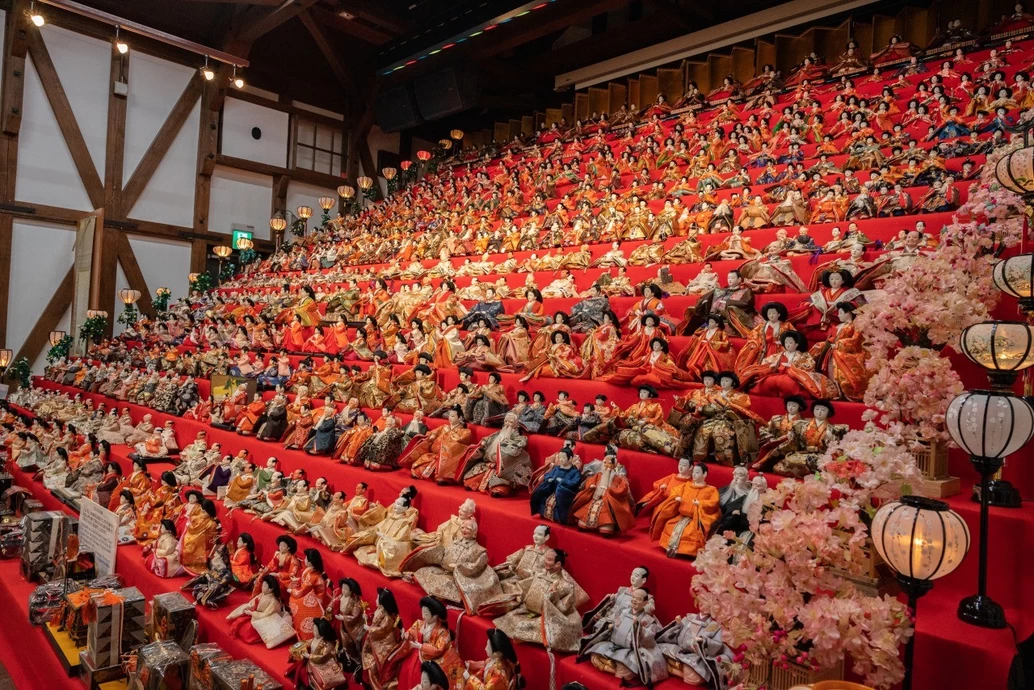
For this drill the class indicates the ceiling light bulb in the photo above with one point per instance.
(122, 46)
(37, 19)
(238, 82)
(209, 74)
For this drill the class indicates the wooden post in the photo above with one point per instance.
(116, 141)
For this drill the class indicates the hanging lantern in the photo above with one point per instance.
(423, 155)
(365, 182)
(128, 296)
(5, 358)
(56, 337)
(304, 212)
(222, 251)
(327, 202)
(389, 173)
(1002, 348)
(456, 134)
(445, 143)
(406, 165)
(243, 244)
(277, 224)
(346, 191)
(96, 313)
(1015, 277)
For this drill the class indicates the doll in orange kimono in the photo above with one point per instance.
(708, 350)
(429, 639)
(789, 372)
(764, 340)
(561, 360)
(284, 565)
(500, 671)
(138, 483)
(605, 503)
(438, 454)
(300, 431)
(249, 418)
(243, 563)
(842, 356)
(307, 310)
(292, 337)
(349, 443)
(684, 520)
(665, 487)
(337, 339)
(199, 536)
(161, 503)
(308, 596)
(659, 369)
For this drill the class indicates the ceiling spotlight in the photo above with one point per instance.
(207, 71)
(120, 45)
(235, 80)
(35, 16)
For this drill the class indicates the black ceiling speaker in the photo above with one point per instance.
(447, 91)
(396, 109)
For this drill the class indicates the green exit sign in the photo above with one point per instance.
(238, 234)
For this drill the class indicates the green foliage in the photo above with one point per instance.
(161, 300)
(248, 256)
(129, 315)
(92, 329)
(20, 370)
(203, 282)
(60, 350)
(228, 272)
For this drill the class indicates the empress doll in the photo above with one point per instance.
(789, 372)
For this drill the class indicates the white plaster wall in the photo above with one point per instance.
(299, 194)
(238, 196)
(46, 172)
(240, 117)
(41, 254)
(154, 87)
(83, 65)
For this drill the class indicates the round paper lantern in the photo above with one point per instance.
(277, 224)
(222, 251)
(128, 296)
(1015, 171)
(423, 155)
(304, 212)
(989, 424)
(920, 538)
(326, 202)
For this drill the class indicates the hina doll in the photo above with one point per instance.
(211, 588)
(430, 640)
(499, 671)
(799, 454)
(386, 544)
(664, 487)
(308, 596)
(313, 661)
(548, 613)
(200, 534)
(438, 455)
(264, 618)
(553, 496)
(161, 503)
(842, 356)
(837, 286)
(727, 430)
(789, 372)
(626, 644)
(734, 303)
(384, 647)
(529, 559)
(559, 360)
(241, 486)
(500, 464)
(324, 431)
(457, 572)
(683, 522)
(349, 619)
(350, 442)
(601, 345)
(381, 451)
(162, 556)
(422, 393)
(605, 503)
(243, 563)
(284, 565)
(693, 648)
(640, 427)
(735, 501)
(600, 614)
(708, 349)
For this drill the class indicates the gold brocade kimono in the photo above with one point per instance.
(548, 614)
(684, 520)
(842, 358)
(438, 455)
(494, 674)
(332, 528)
(383, 651)
(386, 545)
(459, 573)
(197, 540)
(728, 431)
(804, 446)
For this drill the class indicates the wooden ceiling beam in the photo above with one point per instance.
(134, 276)
(66, 118)
(342, 73)
(287, 9)
(351, 27)
(312, 177)
(48, 319)
(115, 148)
(376, 14)
(162, 141)
(265, 3)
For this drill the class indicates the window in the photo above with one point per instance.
(317, 147)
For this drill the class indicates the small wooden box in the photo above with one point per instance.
(777, 678)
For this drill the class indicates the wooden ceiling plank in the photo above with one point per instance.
(162, 141)
(356, 29)
(66, 121)
(344, 76)
(373, 12)
(287, 9)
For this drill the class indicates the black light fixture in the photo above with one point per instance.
(989, 425)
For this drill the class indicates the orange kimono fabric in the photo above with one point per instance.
(435, 646)
(681, 524)
(197, 541)
(439, 454)
(613, 511)
(307, 603)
